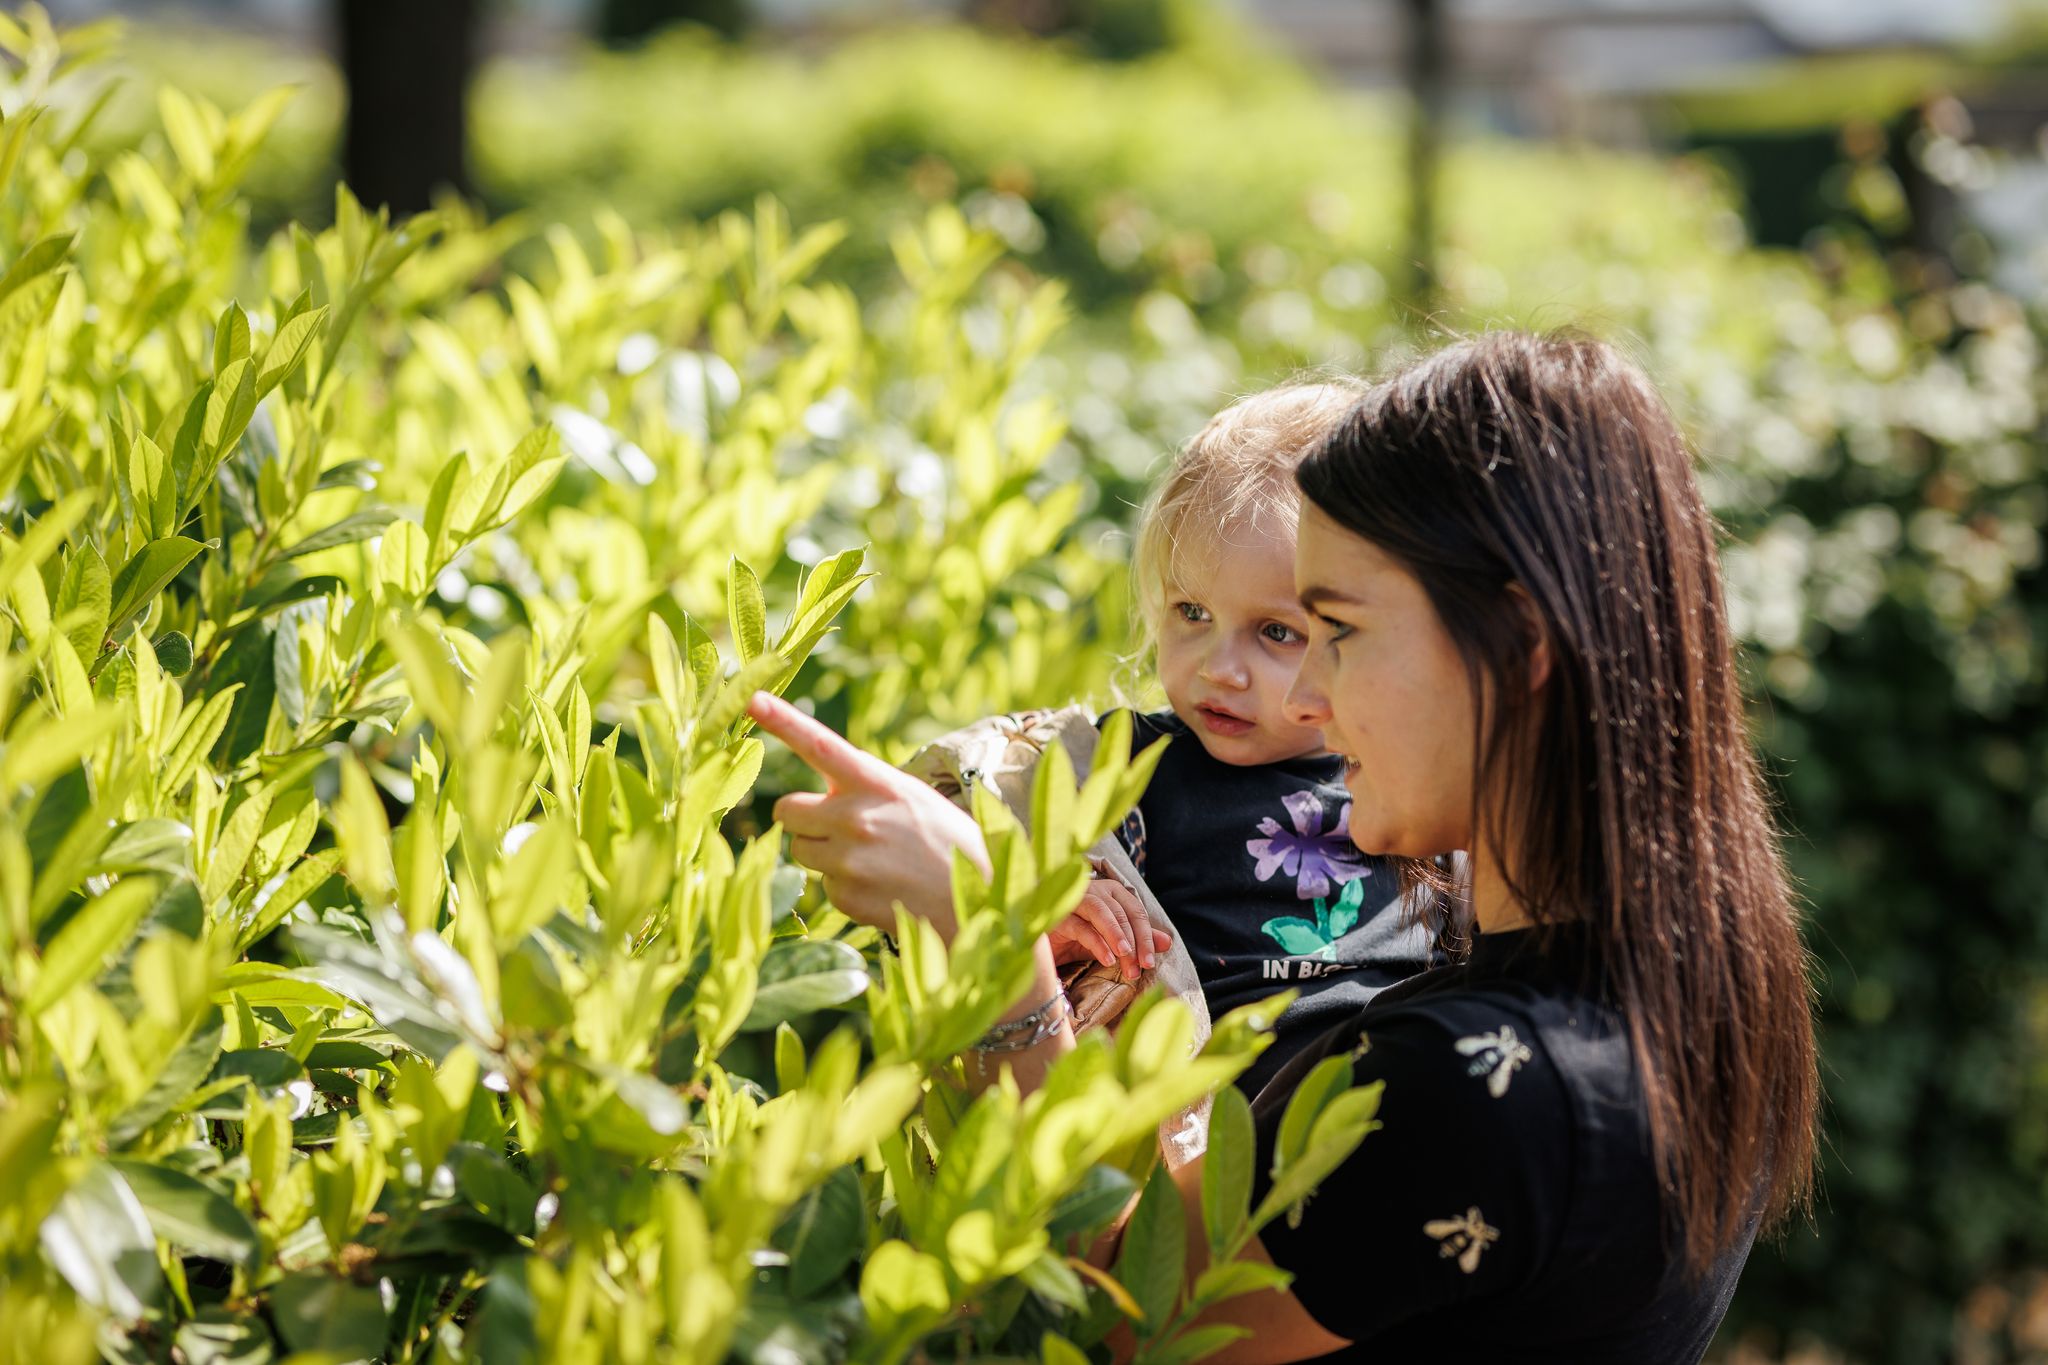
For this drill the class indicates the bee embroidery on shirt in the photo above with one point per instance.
(1495, 1056)
(1464, 1238)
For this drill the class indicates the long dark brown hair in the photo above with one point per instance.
(1539, 483)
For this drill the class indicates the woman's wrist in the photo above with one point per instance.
(1038, 1025)
(1045, 983)
(1040, 997)
(1027, 1064)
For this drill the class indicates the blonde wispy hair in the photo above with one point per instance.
(1237, 472)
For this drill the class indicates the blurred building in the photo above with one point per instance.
(1532, 67)
(1603, 70)
(1593, 67)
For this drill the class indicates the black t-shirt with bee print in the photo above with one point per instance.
(1256, 869)
(1507, 1207)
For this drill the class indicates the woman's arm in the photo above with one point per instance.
(882, 838)
(1280, 1328)
(1029, 1065)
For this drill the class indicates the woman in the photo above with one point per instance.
(1519, 644)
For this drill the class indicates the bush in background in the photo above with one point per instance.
(1873, 440)
(376, 977)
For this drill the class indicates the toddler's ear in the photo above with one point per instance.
(1538, 634)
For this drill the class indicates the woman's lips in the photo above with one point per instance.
(1222, 722)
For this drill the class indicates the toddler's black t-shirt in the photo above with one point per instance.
(1256, 868)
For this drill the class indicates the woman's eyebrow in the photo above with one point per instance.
(1316, 595)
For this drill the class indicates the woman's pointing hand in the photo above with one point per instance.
(878, 836)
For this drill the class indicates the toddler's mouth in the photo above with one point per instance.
(1221, 722)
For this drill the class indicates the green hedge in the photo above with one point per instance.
(1873, 441)
(382, 971)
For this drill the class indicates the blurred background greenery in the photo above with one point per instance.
(1823, 224)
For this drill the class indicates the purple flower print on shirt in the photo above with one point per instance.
(1315, 857)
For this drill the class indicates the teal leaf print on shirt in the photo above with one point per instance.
(1300, 936)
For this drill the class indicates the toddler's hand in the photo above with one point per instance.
(1110, 926)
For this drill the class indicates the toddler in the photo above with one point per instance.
(1243, 835)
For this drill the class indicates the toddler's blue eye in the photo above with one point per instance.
(1281, 635)
(1191, 613)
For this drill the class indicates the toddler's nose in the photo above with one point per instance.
(1223, 668)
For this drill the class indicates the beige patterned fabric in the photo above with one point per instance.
(1001, 753)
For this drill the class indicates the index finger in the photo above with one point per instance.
(840, 763)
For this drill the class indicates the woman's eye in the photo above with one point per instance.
(1282, 635)
(1331, 631)
(1190, 612)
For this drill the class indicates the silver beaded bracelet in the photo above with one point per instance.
(1028, 1031)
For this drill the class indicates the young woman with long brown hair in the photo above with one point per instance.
(1520, 646)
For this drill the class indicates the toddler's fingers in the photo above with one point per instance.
(1078, 930)
(1106, 873)
(1131, 911)
(1103, 918)
(1067, 951)
(1093, 939)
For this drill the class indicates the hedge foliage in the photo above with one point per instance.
(1872, 433)
(377, 979)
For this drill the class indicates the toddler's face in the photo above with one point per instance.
(1230, 643)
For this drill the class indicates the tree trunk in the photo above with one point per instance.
(625, 23)
(1427, 63)
(407, 65)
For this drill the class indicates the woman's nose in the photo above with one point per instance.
(1306, 704)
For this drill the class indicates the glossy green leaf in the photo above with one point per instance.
(152, 845)
(147, 574)
(181, 1073)
(358, 526)
(316, 1312)
(746, 611)
(1342, 1122)
(84, 944)
(1102, 1193)
(99, 1239)
(402, 556)
(1328, 1079)
(904, 1292)
(263, 1072)
(492, 1187)
(230, 338)
(1227, 1168)
(800, 977)
(824, 1233)
(216, 1336)
(1153, 1256)
(190, 1214)
(288, 348)
(84, 600)
(173, 653)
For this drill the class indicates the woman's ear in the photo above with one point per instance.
(1537, 636)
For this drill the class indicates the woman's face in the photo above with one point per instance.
(1386, 686)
